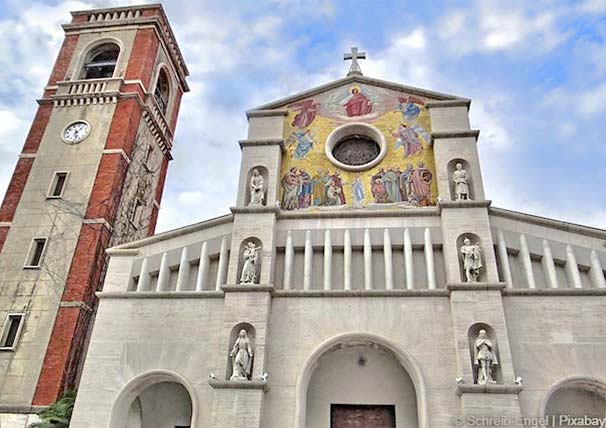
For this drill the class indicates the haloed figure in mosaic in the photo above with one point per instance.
(485, 359)
(241, 357)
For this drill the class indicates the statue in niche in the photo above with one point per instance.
(461, 184)
(241, 357)
(472, 260)
(257, 189)
(484, 359)
(250, 267)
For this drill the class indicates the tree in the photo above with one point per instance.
(58, 414)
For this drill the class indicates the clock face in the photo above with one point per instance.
(76, 132)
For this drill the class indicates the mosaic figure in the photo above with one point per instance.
(307, 111)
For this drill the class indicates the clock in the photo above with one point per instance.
(76, 132)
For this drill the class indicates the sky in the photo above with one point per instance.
(535, 71)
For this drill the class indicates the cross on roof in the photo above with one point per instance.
(354, 56)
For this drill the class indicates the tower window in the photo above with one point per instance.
(57, 185)
(162, 91)
(11, 331)
(36, 251)
(149, 156)
(101, 62)
(135, 215)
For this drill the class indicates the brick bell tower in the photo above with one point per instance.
(90, 175)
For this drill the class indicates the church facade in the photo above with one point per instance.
(362, 279)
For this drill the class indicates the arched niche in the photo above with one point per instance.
(475, 239)
(451, 168)
(384, 376)
(153, 400)
(472, 335)
(241, 258)
(233, 335)
(576, 396)
(265, 174)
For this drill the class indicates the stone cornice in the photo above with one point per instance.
(448, 103)
(488, 389)
(23, 410)
(266, 113)
(262, 142)
(211, 294)
(455, 133)
(554, 292)
(363, 212)
(243, 288)
(239, 384)
(475, 286)
(463, 204)
(362, 293)
(547, 222)
(255, 210)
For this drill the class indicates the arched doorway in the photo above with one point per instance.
(575, 397)
(157, 399)
(360, 380)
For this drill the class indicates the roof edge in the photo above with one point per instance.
(358, 79)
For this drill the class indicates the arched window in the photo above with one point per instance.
(101, 62)
(162, 91)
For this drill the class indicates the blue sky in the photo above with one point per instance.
(535, 70)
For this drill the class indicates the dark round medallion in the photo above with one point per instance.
(356, 149)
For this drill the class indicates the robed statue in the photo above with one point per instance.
(484, 359)
(250, 268)
(241, 357)
(461, 183)
(257, 189)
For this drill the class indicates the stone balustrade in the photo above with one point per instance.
(535, 262)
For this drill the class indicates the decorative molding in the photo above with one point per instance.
(262, 142)
(117, 152)
(27, 156)
(554, 292)
(256, 288)
(488, 389)
(97, 221)
(363, 293)
(176, 233)
(156, 204)
(362, 212)
(210, 294)
(464, 204)
(6, 223)
(448, 103)
(357, 79)
(239, 384)
(266, 113)
(475, 286)
(80, 305)
(255, 210)
(547, 222)
(116, 252)
(456, 133)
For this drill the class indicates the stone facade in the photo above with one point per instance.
(121, 162)
(365, 305)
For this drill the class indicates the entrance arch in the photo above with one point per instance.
(348, 345)
(156, 392)
(575, 396)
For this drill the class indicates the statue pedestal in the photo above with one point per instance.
(239, 384)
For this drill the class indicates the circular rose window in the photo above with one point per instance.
(355, 146)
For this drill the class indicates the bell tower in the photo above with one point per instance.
(90, 175)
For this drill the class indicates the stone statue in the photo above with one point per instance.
(461, 183)
(251, 264)
(257, 189)
(472, 260)
(241, 357)
(484, 359)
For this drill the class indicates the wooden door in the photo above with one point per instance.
(362, 416)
